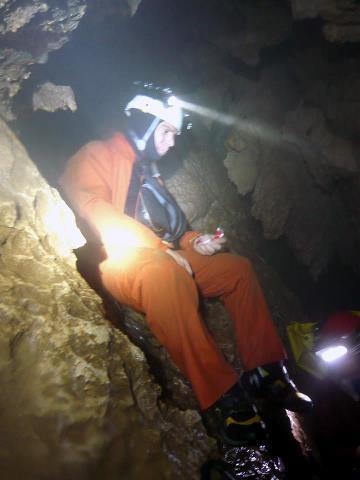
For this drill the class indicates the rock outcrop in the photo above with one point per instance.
(30, 30)
(28, 33)
(296, 162)
(50, 97)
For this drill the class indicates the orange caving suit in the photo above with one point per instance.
(96, 182)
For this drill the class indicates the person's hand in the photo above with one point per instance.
(180, 260)
(206, 244)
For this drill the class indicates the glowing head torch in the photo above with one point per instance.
(340, 346)
(332, 353)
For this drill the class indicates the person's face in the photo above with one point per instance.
(164, 137)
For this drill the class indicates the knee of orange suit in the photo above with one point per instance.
(170, 299)
(165, 278)
(152, 274)
(243, 264)
(241, 268)
(163, 267)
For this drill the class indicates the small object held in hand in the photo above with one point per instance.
(219, 233)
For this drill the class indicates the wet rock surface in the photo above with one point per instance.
(77, 399)
(253, 463)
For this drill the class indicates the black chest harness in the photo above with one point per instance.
(150, 203)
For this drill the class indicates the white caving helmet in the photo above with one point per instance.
(160, 105)
(162, 110)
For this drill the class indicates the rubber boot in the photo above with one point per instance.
(241, 424)
(272, 382)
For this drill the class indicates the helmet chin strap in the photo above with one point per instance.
(141, 142)
(154, 170)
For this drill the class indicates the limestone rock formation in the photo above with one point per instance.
(242, 168)
(50, 97)
(77, 399)
(295, 164)
(28, 32)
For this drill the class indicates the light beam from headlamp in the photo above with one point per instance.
(172, 101)
(254, 129)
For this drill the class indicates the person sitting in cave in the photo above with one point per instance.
(153, 262)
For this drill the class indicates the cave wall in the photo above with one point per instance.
(296, 167)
